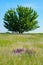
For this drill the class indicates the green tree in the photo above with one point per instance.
(21, 19)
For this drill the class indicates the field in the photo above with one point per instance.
(9, 42)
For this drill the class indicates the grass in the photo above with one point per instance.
(8, 42)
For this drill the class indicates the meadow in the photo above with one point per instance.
(9, 42)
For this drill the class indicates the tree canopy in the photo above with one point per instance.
(21, 19)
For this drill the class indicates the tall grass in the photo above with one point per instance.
(9, 42)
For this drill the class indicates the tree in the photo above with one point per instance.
(21, 19)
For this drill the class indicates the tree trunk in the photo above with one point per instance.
(20, 32)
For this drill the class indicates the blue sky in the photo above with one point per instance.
(35, 4)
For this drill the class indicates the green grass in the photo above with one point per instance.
(8, 42)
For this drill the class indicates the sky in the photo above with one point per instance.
(37, 5)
